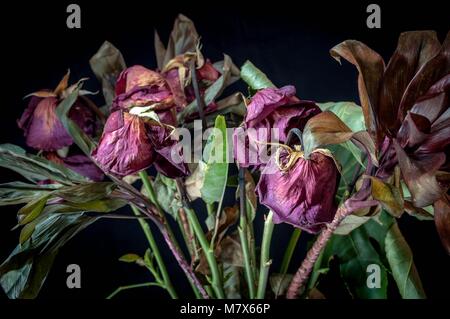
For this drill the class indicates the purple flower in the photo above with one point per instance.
(131, 143)
(125, 146)
(300, 191)
(42, 128)
(272, 113)
(139, 86)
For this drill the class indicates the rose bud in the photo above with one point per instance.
(270, 109)
(300, 191)
(43, 129)
(125, 147)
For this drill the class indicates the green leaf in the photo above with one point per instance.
(19, 192)
(350, 113)
(215, 156)
(167, 194)
(107, 64)
(33, 209)
(35, 168)
(399, 256)
(130, 258)
(388, 195)
(254, 77)
(81, 139)
(24, 272)
(86, 192)
(356, 253)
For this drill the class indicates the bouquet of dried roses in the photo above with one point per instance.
(337, 170)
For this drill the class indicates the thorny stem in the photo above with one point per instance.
(302, 274)
(265, 262)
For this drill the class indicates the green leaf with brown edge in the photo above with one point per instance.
(442, 221)
(24, 272)
(36, 168)
(400, 258)
(324, 129)
(81, 139)
(389, 196)
(107, 64)
(254, 77)
(370, 66)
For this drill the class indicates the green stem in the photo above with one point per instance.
(209, 253)
(265, 262)
(159, 260)
(290, 250)
(152, 196)
(146, 284)
(243, 234)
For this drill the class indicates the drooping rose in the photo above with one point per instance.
(139, 86)
(42, 128)
(300, 193)
(125, 146)
(131, 143)
(271, 114)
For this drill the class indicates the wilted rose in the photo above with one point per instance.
(300, 191)
(43, 129)
(139, 86)
(271, 114)
(125, 146)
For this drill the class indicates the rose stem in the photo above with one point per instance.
(207, 250)
(152, 196)
(199, 290)
(200, 102)
(159, 260)
(243, 232)
(290, 250)
(265, 262)
(302, 274)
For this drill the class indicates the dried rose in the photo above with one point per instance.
(43, 129)
(78, 163)
(300, 191)
(125, 146)
(270, 112)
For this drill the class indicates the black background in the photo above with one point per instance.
(289, 41)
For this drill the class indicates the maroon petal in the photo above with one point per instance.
(84, 166)
(302, 196)
(124, 147)
(138, 76)
(414, 130)
(208, 72)
(44, 131)
(419, 174)
(266, 101)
